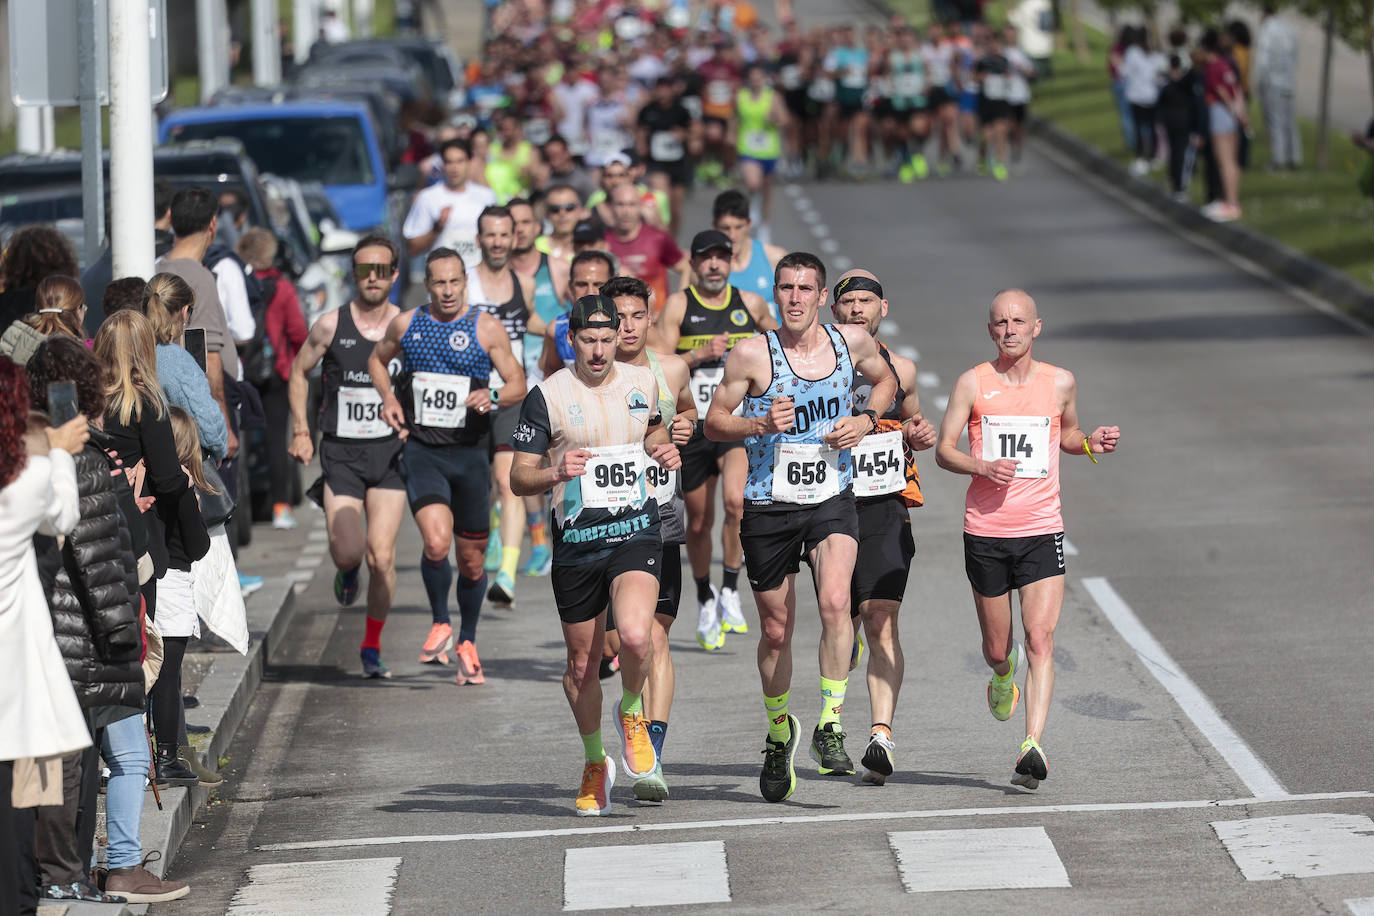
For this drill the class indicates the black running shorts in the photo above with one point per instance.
(995, 566)
(777, 540)
(669, 585)
(583, 591)
(886, 548)
(700, 459)
(352, 467)
(457, 476)
(503, 423)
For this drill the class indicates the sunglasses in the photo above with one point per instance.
(363, 271)
(562, 208)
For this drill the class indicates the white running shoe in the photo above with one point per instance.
(709, 633)
(731, 619)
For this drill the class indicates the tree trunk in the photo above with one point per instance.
(1368, 8)
(1080, 40)
(1324, 100)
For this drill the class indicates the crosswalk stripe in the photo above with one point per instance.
(993, 858)
(345, 887)
(1361, 906)
(660, 874)
(1299, 845)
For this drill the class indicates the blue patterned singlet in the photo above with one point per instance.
(446, 348)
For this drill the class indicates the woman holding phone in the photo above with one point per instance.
(167, 306)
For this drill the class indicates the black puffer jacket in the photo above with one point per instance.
(94, 595)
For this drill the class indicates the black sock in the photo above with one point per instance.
(730, 578)
(703, 589)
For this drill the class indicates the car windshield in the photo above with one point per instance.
(331, 151)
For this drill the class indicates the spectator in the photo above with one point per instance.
(163, 239)
(285, 332)
(34, 252)
(168, 307)
(124, 293)
(1183, 115)
(1140, 82)
(1276, 75)
(1124, 39)
(60, 308)
(1365, 177)
(1226, 117)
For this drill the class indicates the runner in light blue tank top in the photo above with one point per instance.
(757, 277)
(548, 308)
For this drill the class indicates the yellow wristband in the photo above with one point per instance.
(1087, 449)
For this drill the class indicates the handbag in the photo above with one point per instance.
(215, 507)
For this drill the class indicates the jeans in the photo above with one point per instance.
(1285, 143)
(1123, 110)
(125, 749)
(1143, 117)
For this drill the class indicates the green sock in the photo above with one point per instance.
(776, 707)
(832, 699)
(591, 746)
(510, 559)
(631, 703)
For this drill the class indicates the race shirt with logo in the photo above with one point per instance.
(647, 256)
(351, 408)
(1018, 81)
(757, 276)
(850, 69)
(514, 315)
(907, 73)
(884, 463)
(759, 138)
(702, 322)
(666, 486)
(939, 61)
(1020, 422)
(667, 129)
(443, 363)
(795, 469)
(996, 72)
(606, 133)
(547, 307)
(718, 90)
(609, 506)
(460, 231)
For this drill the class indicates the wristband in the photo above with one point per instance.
(1087, 449)
(495, 395)
(872, 419)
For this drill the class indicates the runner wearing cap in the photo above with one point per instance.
(886, 485)
(441, 408)
(1020, 414)
(588, 235)
(796, 386)
(701, 324)
(595, 423)
(589, 271)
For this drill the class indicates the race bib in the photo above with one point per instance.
(608, 143)
(440, 399)
(613, 477)
(662, 482)
(538, 131)
(1026, 440)
(995, 86)
(693, 105)
(908, 84)
(465, 246)
(517, 347)
(664, 146)
(360, 415)
(822, 89)
(855, 76)
(704, 385)
(719, 92)
(805, 473)
(758, 140)
(790, 77)
(878, 464)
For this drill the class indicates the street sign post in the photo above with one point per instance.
(46, 65)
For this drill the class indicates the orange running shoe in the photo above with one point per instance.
(469, 667)
(435, 649)
(637, 751)
(594, 798)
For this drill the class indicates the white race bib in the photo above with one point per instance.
(719, 92)
(878, 464)
(805, 473)
(440, 399)
(517, 347)
(360, 415)
(538, 131)
(704, 385)
(1026, 440)
(664, 146)
(608, 143)
(908, 84)
(822, 89)
(855, 76)
(662, 482)
(994, 86)
(759, 140)
(613, 477)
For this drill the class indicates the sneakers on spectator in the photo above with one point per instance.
(282, 519)
(138, 885)
(249, 584)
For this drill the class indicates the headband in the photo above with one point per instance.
(851, 284)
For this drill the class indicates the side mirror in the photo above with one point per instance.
(405, 177)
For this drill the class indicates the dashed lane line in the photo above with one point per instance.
(661, 874)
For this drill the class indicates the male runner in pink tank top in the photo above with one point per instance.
(1020, 414)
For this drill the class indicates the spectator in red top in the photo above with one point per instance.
(284, 327)
(1226, 117)
(644, 251)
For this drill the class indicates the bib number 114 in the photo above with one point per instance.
(1025, 440)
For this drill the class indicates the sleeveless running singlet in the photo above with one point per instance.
(759, 138)
(514, 314)
(701, 322)
(884, 464)
(547, 307)
(561, 341)
(666, 486)
(443, 363)
(757, 277)
(795, 469)
(1020, 422)
(351, 407)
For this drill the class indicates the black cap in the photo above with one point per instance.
(593, 311)
(710, 240)
(588, 232)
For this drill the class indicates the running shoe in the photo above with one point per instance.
(1002, 695)
(609, 666)
(878, 757)
(920, 167)
(652, 788)
(731, 620)
(1031, 765)
(373, 666)
(540, 562)
(636, 750)
(779, 778)
(594, 797)
(469, 666)
(502, 590)
(999, 171)
(344, 593)
(906, 174)
(493, 559)
(827, 749)
(709, 634)
(856, 654)
(435, 649)
(282, 519)
(249, 584)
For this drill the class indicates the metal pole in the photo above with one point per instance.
(48, 128)
(303, 29)
(28, 126)
(131, 140)
(362, 18)
(91, 52)
(266, 44)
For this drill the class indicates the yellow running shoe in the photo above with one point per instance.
(1031, 765)
(594, 798)
(1003, 694)
(637, 751)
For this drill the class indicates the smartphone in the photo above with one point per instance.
(195, 345)
(62, 402)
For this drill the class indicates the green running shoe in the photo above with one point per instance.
(1002, 695)
(779, 778)
(827, 749)
(653, 787)
(919, 166)
(1031, 765)
(906, 174)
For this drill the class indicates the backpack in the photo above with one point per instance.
(257, 356)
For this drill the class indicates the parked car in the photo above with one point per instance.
(438, 62)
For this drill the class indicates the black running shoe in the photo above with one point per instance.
(827, 749)
(1031, 765)
(779, 779)
(877, 759)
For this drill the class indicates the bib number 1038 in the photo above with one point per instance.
(1025, 440)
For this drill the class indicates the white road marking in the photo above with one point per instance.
(994, 858)
(347, 887)
(1037, 810)
(830, 246)
(842, 263)
(927, 379)
(314, 548)
(309, 562)
(803, 205)
(820, 230)
(1069, 549)
(1360, 906)
(662, 874)
(1214, 727)
(909, 352)
(1299, 845)
(941, 402)
(889, 327)
(319, 533)
(302, 575)
(793, 190)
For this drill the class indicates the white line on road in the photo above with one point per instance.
(319, 534)
(1069, 549)
(661, 874)
(909, 352)
(994, 858)
(819, 230)
(927, 379)
(302, 575)
(793, 190)
(843, 263)
(1037, 810)
(1360, 906)
(1214, 727)
(347, 887)
(941, 402)
(889, 327)
(309, 562)
(830, 246)
(803, 206)
(1299, 846)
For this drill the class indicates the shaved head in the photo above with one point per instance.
(857, 272)
(859, 300)
(1013, 296)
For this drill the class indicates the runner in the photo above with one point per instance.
(589, 271)
(512, 162)
(847, 64)
(663, 128)
(494, 287)
(910, 109)
(1020, 414)
(449, 349)
(759, 110)
(445, 215)
(751, 266)
(644, 251)
(701, 325)
(720, 74)
(563, 207)
(620, 170)
(942, 96)
(886, 485)
(631, 297)
(594, 423)
(993, 71)
(796, 386)
(358, 451)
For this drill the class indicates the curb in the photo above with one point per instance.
(1282, 262)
